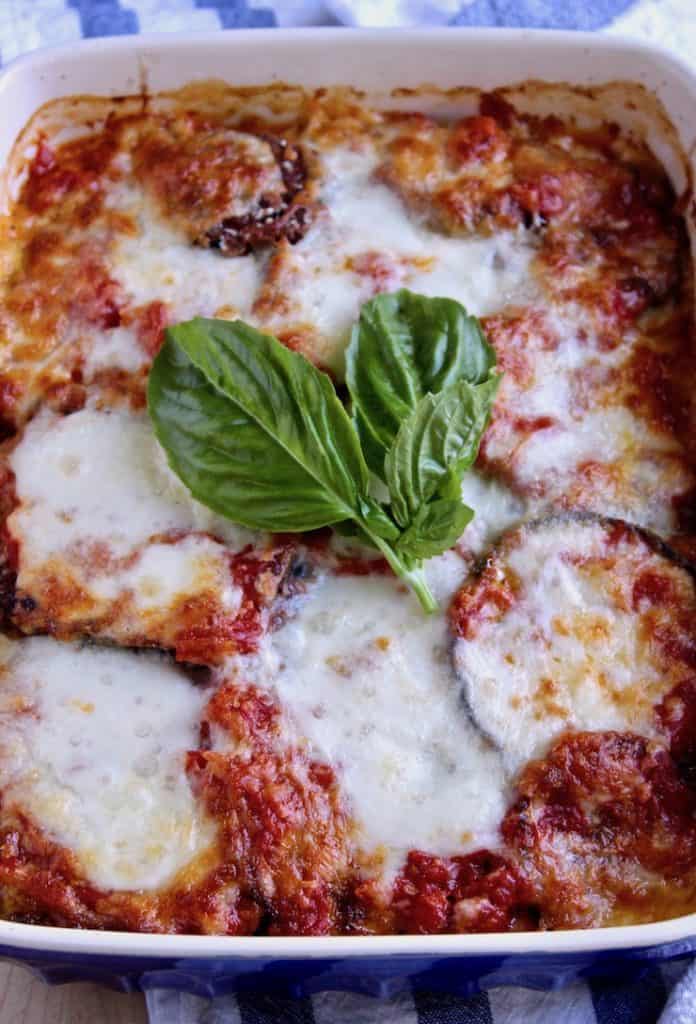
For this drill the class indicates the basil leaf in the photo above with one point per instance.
(405, 346)
(377, 521)
(436, 444)
(255, 431)
(435, 528)
(373, 449)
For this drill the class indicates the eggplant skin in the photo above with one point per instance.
(271, 220)
(560, 630)
(580, 515)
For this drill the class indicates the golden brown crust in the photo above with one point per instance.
(604, 825)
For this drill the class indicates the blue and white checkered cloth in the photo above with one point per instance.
(664, 994)
(28, 24)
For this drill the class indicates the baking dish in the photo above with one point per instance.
(377, 62)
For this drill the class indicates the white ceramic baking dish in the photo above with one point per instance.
(376, 61)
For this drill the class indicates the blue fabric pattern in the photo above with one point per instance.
(666, 993)
(104, 18)
(434, 1008)
(236, 14)
(590, 14)
(254, 1009)
(630, 1002)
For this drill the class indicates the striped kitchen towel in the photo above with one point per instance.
(665, 994)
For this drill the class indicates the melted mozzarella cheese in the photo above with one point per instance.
(637, 465)
(156, 263)
(570, 653)
(92, 747)
(330, 279)
(597, 449)
(159, 263)
(165, 572)
(366, 681)
(495, 507)
(102, 475)
(100, 509)
(114, 349)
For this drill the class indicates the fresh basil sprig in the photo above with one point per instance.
(404, 347)
(259, 435)
(435, 446)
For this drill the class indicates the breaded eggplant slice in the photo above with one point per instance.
(227, 190)
(105, 541)
(572, 622)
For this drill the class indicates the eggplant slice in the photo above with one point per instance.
(228, 190)
(573, 622)
(273, 217)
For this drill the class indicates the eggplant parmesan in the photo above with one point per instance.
(572, 622)
(209, 728)
(108, 542)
